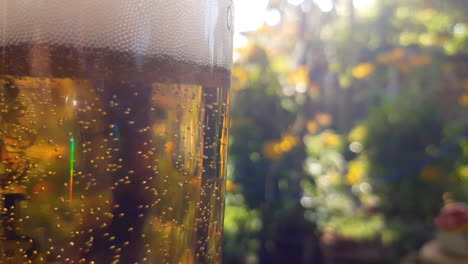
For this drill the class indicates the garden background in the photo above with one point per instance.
(349, 128)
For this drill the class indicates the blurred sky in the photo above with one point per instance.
(250, 15)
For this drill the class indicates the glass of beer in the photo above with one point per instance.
(113, 130)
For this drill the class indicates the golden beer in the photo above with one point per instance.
(113, 118)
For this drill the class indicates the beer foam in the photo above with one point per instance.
(196, 31)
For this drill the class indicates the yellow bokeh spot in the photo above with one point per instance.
(363, 70)
(240, 73)
(430, 174)
(240, 78)
(448, 198)
(299, 76)
(288, 142)
(231, 186)
(463, 100)
(357, 171)
(358, 134)
(392, 56)
(312, 127)
(271, 150)
(463, 173)
(314, 90)
(277, 148)
(324, 119)
(285, 146)
(331, 139)
(170, 147)
(274, 150)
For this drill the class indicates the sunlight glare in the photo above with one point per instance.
(273, 17)
(363, 4)
(249, 15)
(459, 29)
(240, 40)
(295, 2)
(324, 5)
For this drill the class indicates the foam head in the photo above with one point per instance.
(188, 30)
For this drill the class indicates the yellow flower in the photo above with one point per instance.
(363, 70)
(331, 139)
(392, 56)
(312, 127)
(299, 76)
(357, 171)
(285, 146)
(288, 142)
(430, 174)
(463, 100)
(272, 151)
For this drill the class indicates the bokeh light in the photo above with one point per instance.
(324, 5)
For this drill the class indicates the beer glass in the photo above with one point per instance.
(113, 118)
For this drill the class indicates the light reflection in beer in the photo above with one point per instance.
(72, 168)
